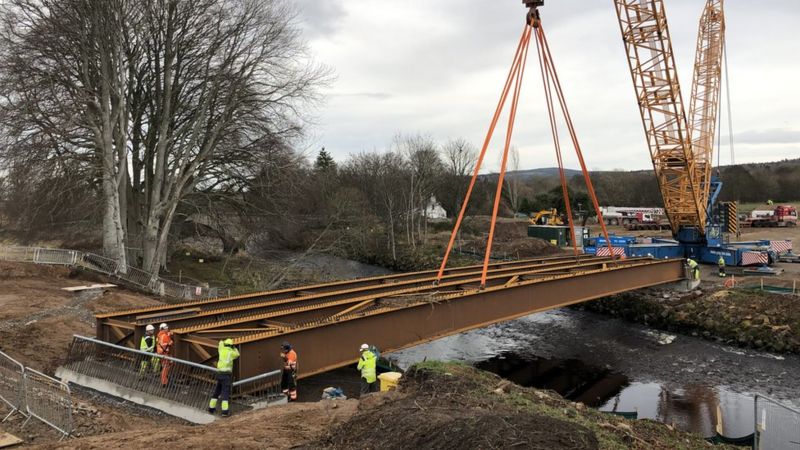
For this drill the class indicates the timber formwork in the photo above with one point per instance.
(326, 323)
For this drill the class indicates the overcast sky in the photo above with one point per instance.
(437, 68)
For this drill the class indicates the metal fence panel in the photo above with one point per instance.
(777, 425)
(12, 385)
(260, 388)
(17, 254)
(55, 256)
(98, 263)
(188, 383)
(48, 400)
(107, 266)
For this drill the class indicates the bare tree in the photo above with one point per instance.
(63, 78)
(159, 97)
(459, 158)
(513, 184)
(425, 168)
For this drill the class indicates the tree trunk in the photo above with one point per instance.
(113, 230)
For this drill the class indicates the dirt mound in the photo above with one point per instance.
(455, 406)
(510, 231)
(437, 411)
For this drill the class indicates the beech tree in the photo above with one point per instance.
(156, 98)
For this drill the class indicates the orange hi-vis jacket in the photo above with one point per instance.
(290, 360)
(164, 346)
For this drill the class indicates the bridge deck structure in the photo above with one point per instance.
(326, 323)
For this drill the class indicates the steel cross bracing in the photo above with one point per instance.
(327, 322)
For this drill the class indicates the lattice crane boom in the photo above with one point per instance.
(683, 171)
(706, 83)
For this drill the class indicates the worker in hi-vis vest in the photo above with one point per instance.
(367, 364)
(148, 344)
(227, 354)
(694, 267)
(721, 264)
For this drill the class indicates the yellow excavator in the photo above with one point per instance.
(547, 217)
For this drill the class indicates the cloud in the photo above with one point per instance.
(437, 67)
(320, 18)
(769, 136)
(373, 95)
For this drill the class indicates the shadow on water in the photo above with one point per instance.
(571, 378)
(693, 407)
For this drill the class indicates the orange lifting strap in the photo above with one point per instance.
(551, 84)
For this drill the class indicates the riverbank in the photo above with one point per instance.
(453, 406)
(606, 361)
(739, 317)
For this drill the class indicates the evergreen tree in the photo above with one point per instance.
(324, 161)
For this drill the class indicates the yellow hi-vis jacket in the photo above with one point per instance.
(148, 344)
(692, 263)
(367, 364)
(226, 357)
(721, 261)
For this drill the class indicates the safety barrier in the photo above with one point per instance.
(48, 400)
(188, 383)
(109, 267)
(260, 388)
(786, 286)
(12, 385)
(777, 425)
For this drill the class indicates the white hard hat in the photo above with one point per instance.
(150, 328)
(163, 326)
(364, 347)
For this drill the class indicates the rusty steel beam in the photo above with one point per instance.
(151, 312)
(313, 306)
(324, 345)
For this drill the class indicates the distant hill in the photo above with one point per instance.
(747, 183)
(543, 172)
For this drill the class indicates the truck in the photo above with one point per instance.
(624, 215)
(647, 221)
(781, 216)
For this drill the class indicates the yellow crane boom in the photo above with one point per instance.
(706, 83)
(681, 149)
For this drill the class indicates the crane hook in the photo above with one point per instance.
(533, 12)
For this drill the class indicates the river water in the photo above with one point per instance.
(613, 365)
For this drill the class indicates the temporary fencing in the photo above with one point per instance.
(774, 285)
(12, 385)
(109, 267)
(48, 400)
(777, 425)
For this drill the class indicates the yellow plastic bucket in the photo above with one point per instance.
(389, 380)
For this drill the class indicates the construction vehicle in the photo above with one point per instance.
(781, 216)
(623, 215)
(681, 146)
(546, 217)
(647, 221)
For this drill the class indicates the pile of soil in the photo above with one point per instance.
(510, 231)
(454, 406)
(746, 318)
